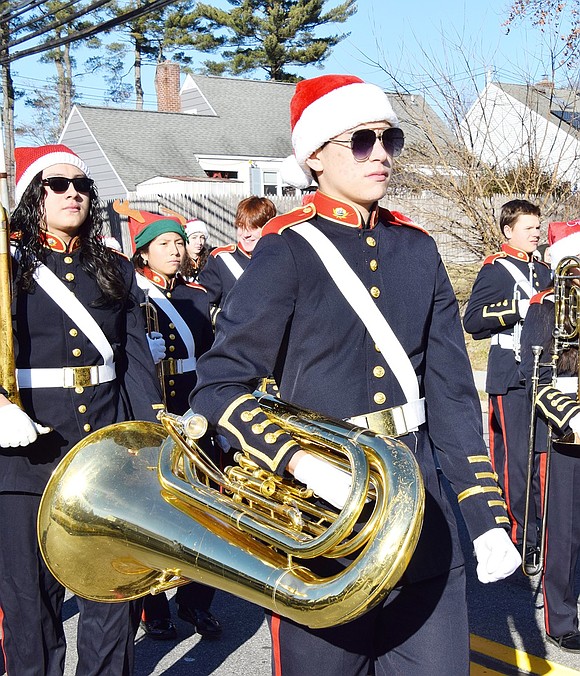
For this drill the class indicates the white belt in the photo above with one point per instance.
(172, 367)
(68, 376)
(567, 384)
(504, 340)
(393, 422)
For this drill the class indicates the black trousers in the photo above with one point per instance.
(192, 595)
(562, 545)
(509, 420)
(31, 603)
(421, 628)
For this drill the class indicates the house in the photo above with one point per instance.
(211, 135)
(512, 124)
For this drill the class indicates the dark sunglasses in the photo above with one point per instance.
(363, 141)
(61, 183)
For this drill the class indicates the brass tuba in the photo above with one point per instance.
(135, 509)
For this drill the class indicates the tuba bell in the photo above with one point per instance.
(136, 508)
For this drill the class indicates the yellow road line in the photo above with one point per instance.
(518, 658)
(478, 670)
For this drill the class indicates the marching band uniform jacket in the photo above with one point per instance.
(555, 403)
(287, 317)
(191, 302)
(217, 277)
(45, 337)
(492, 310)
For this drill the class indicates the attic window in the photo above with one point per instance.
(570, 117)
(221, 173)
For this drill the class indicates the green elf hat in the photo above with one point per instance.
(156, 228)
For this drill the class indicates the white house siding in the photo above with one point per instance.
(78, 137)
(504, 132)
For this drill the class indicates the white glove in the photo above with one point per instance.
(497, 556)
(324, 479)
(17, 428)
(574, 423)
(523, 307)
(156, 345)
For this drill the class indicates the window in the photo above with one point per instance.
(270, 179)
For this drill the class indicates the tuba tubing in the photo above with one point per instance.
(121, 517)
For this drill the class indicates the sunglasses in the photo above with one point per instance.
(363, 141)
(61, 184)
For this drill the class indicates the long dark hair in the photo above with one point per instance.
(96, 258)
(188, 269)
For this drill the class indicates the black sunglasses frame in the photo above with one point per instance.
(363, 141)
(80, 183)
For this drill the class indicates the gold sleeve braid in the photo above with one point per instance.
(556, 407)
(256, 434)
(501, 310)
(485, 483)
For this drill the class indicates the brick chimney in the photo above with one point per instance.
(167, 87)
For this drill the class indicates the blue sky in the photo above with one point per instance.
(415, 40)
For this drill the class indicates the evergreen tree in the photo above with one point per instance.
(271, 35)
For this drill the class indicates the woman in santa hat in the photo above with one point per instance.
(556, 404)
(196, 249)
(82, 362)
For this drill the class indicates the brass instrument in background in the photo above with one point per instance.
(566, 335)
(132, 509)
(152, 323)
(7, 363)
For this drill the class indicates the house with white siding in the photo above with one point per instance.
(210, 135)
(510, 125)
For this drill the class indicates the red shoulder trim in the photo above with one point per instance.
(228, 248)
(195, 285)
(397, 218)
(120, 253)
(275, 225)
(540, 297)
(493, 257)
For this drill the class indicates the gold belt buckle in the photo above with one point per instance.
(382, 422)
(82, 376)
(170, 367)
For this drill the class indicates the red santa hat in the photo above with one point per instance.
(564, 240)
(31, 161)
(324, 107)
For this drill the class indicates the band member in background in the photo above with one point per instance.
(196, 249)
(496, 309)
(82, 362)
(292, 314)
(185, 331)
(556, 403)
(226, 263)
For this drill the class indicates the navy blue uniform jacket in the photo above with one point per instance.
(216, 277)
(492, 309)
(286, 316)
(46, 337)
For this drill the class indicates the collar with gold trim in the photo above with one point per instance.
(157, 279)
(516, 253)
(342, 212)
(55, 243)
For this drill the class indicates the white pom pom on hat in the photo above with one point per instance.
(30, 161)
(324, 107)
(564, 240)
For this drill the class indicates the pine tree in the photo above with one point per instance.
(271, 35)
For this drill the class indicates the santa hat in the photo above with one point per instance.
(564, 240)
(195, 225)
(324, 107)
(31, 161)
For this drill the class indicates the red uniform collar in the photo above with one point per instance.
(55, 243)
(340, 211)
(157, 279)
(516, 253)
